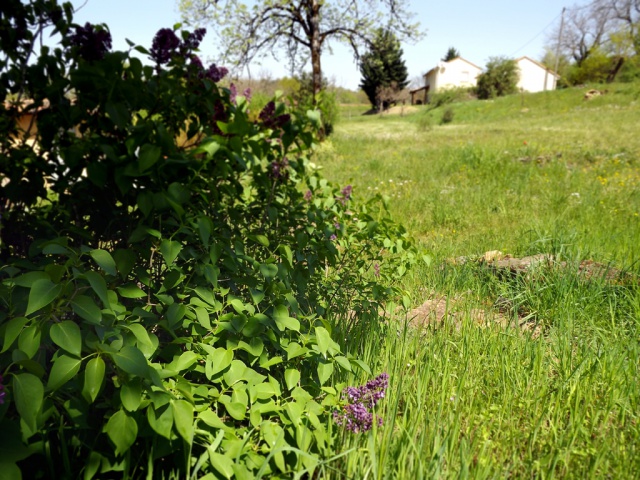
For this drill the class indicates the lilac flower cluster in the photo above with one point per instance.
(2, 392)
(357, 415)
(164, 45)
(269, 118)
(308, 195)
(345, 194)
(92, 43)
(193, 40)
(215, 73)
(279, 169)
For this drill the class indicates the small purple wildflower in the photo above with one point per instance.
(357, 416)
(336, 225)
(164, 46)
(376, 269)
(93, 43)
(333, 237)
(2, 391)
(345, 194)
(308, 195)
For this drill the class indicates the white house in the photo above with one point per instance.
(535, 77)
(458, 73)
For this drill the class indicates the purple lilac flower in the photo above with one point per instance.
(164, 45)
(279, 168)
(269, 119)
(2, 391)
(308, 195)
(194, 39)
(215, 73)
(357, 416)
(333, 237)
(247, 94)
(196, 63)
(233, 93)
(376, 269)
(92, 43)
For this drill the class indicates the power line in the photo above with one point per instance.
(537, 35)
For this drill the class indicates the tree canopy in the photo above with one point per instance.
(384, 72)
(300, 29)
(452, 53)
(499, 78)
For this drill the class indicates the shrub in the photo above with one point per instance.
(499, 78)
(447, 116)
(170, 266)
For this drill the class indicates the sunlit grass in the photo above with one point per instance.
(545, 173)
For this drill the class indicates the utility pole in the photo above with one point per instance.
(555, 69)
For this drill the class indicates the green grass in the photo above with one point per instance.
(544, 173)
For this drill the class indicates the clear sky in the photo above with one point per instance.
(478, 29)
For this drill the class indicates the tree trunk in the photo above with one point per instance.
(316, 47)
(616, 68)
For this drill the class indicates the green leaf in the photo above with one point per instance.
(93, 377)
(360, 364)
(175, 313)
(222, 464)
(269, 270)
(237, 410)
(122, 430)
(87, 309)
(29, 340)
(203, 317)
(125, 261)
(64, 369)
(283, 320)
(99, 286)
(12, 330)
(170, 250)
(324, 372)
(141, 334)
(131, 394)
(42, 293)
(148, 156)
(161, 420)
(28, 394)
(131, 291)
(291, 377)
(67, 336)
(28, 279)
(93, 465)
(343, 362)
(104, 260)
(183, 418)
(210, 418)
(118, 113)
(219, 361)
(183, 362)
(323, 339)
(131, 360)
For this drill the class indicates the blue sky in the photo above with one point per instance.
(478, 29)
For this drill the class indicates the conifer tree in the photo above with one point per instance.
(384, 72)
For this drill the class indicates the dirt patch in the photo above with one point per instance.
(440, 310)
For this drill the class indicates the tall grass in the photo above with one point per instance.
(471, 398)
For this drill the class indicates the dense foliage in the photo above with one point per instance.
(173, 268)
(499, 78)
(383, 70)
(452, 53)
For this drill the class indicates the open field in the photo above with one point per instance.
(531, 374)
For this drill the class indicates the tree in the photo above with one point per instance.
(451, 54)
(500, 78)
(384, 72)
(302, 28)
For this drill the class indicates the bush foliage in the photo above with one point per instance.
(172, 265)
(499, 78)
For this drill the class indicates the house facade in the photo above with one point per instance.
(456, 73)
(535, 77)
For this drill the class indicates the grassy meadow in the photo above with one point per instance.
(552, 390)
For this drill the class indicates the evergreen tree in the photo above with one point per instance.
(451, 54)
(384, 72)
